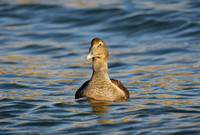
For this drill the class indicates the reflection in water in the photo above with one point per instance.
(99, 107)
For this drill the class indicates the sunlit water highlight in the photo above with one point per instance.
(154, 50)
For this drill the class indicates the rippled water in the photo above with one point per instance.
(154, 50)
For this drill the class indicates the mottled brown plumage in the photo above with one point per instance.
(100, 86)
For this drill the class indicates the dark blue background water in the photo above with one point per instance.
(154, 50)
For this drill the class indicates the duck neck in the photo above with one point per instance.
(100, 69)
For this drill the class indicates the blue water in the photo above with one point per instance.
(154, 51)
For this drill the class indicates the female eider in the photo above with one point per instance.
(100, 86)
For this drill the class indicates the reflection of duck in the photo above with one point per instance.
(100, 86)
(99, 107)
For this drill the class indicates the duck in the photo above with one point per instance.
(100, 86)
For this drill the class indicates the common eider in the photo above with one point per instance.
(100, 86)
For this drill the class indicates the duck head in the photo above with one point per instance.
(98, 50)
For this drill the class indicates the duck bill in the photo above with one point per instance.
(90, 54)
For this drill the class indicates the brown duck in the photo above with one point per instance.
(100, 86)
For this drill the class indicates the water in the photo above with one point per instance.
(154, 50)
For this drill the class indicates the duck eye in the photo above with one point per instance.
(100, 44)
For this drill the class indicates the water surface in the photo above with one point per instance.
(154, 50)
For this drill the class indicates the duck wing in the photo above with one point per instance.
(121, 86)
(79, 92)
